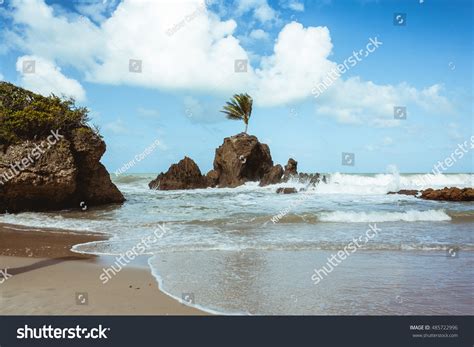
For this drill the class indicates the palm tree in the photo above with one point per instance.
(239, 108)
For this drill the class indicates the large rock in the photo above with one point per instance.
(412, 192)
(291, 168)
(38, 176)
(273, 176)
(184, 175)
(241, 158)
(448, 194)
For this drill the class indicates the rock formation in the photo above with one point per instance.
(45, 168)
(311, 179)
(68, 174)
(445, 194)
(412, 192)
(448, 194)
(184, 175)
(241, 158)
(212, 178)
(273, 176)
(291, 169)
(287, 190)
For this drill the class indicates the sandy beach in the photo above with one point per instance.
(41, 276)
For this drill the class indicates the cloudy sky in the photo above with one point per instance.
(161, 70)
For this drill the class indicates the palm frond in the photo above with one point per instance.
(239, 108)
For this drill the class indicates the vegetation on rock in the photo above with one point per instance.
(25, 115)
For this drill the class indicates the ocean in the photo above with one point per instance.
(248, 250)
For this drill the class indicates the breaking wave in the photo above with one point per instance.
(378, 217)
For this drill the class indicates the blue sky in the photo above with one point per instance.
(188, 48)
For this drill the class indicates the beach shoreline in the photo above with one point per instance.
(42, 276)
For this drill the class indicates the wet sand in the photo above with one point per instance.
(41, 276)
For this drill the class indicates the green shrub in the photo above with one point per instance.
(25, 115)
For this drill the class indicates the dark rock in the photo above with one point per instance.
(212, 178)
(94, 186)
(184, 175)
(241, 158)
(286, 190)
(413, 192)
(155, 184)
(309, 179)
(291, 168)
(448, 194)
(63, 175)
(273, 176)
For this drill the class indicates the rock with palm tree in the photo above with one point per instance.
(240, 159)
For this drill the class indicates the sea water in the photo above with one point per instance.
(248, 250)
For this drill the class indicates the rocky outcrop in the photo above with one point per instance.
(273, 176)
(291, 168)
(287, 190)
(183, 175)
(412, 192)
(61, 172)
(445, 194)
(448, 194)
(311, 179)
(241, 158)
(212, 178)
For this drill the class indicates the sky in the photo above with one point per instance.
(387, 82)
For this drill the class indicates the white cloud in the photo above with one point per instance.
(260, 9)
(294, 5)
(199, 54)
(201, 111)
(43, 77)
(300, 59)
(97, 10)
(67, 41)
(117, 127)
(1, 77)
(364, 102)
(454, 131)
(148, 112)
(386, 142)
(259, 34)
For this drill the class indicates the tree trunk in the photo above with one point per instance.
(246, 127)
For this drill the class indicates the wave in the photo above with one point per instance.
(337, 183)
(128, 179)
(383, 183)
(335, 217)
(119, 247)
(373, 217)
